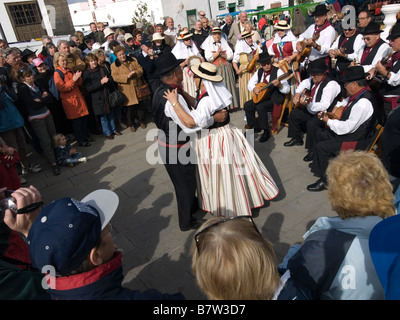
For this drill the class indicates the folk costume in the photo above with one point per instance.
(182, 51)
(224, 66)
(243, 55)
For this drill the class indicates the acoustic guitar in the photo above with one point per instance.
(336, 115)
(264, 88)
(334, 60)
(378, 79)
(253, 61)
(304, 100)
(306, 49)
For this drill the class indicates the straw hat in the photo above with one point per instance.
(184, 35)
(282, 25)
(246, 34)
(207, 71)
(216, 30)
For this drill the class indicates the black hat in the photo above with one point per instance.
(166, 63)
(317, 66)
(264, 57)
(353, 74)
(372, 28)
(25, 54)
(320, 10)
(395, 32)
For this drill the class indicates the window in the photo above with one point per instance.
(25, 14)
(240, 3)
(191, 18)
(221, 5)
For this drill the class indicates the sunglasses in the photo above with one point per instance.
(248, 218)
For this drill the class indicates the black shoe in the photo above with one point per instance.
(265, 136)
(317, 186)
(294, 142)
(310, 165)
(56, 170)
(90, 140)
(309, 157)
(257, 130)
(84, 144)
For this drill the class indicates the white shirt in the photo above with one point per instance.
(325, 40)
(361, 111)
(254, 81)
(329, 93)
(242, 46)
(202, 116)
(394, 77)
(357, 46)
(209, 48)
(382, 52)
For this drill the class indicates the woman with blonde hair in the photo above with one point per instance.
(233, 261)
(334, 261)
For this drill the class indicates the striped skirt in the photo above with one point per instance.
(231, 178)
(188, 82)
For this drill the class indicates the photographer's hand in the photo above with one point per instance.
(23, 222)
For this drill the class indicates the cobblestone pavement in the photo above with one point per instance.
(156, 252)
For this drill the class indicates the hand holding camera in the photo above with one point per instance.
(20, 208)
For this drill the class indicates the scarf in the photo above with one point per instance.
(395, 57)
(317, 30)
(316, 85)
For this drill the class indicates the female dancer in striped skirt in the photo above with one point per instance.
(232, 179)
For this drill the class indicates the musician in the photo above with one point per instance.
(356, 122)
(390, 89)
(374, 48)
(184, 49)
(245, 51)
(324, 93)
(346, 48)
(319, 36)
(273, 100)
(284, 43)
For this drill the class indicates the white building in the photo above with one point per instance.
(23, 20)
(184, 12)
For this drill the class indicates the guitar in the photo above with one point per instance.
(253, 61)
(334, 60)
(306, 51)
(264, 88)
(335, 115)
(378, 79)
(304, 100)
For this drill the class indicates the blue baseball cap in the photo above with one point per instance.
(67, 230)
(384, 248)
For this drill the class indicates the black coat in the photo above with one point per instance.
(99, 93)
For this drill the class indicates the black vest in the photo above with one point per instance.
(322, 85)
(164, 123)
(363, 131)
(387, 89)
(274, 94)
(342, 63)
(372, 53)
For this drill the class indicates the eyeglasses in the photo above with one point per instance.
(367, 38)
(248, 218)
(266, 64)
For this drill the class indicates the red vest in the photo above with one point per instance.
(287, 50)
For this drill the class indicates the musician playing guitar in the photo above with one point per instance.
(272, 102)
(390, 88)
(324, 94)
(357, 121)
(318, 36)
(345, 49)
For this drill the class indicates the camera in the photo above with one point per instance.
(7, 203)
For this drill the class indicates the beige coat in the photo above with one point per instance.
(120, 73)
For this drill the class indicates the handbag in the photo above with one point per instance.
(116, 98)
(143, 89)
